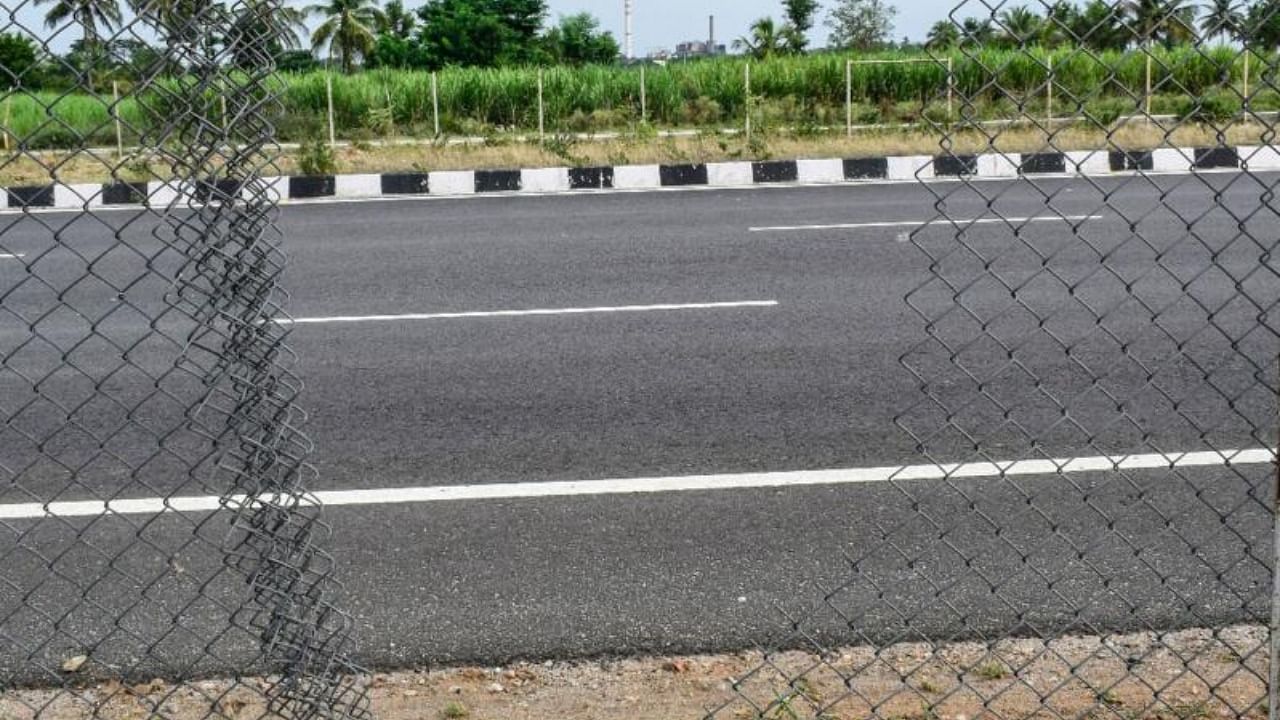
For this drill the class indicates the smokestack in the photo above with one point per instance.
(711, 36)
(629, 10)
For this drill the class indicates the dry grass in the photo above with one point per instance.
(35, 168)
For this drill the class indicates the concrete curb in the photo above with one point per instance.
(640, 177)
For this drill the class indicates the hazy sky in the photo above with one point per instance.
(663, 23)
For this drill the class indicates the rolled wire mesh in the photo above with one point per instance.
(1089, 533)
(143, 370)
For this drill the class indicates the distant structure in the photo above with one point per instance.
(628, 20)
(701, 48)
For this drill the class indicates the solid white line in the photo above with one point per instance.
(635, 486)
(524, 313)
(11, 256)
(919, 223)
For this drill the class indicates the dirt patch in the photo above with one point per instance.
(1187, 675)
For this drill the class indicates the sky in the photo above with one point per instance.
(663, 23)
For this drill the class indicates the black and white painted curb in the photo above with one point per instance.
(641, 177)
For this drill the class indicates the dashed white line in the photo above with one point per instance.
(526, 313)
(928, 223)
(639, 486)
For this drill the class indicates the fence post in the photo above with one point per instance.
(435, 102)
(1148, 94)
(951, 87)
(1049, 100)
(115, 116)
(644, 100)
(328, 90)
(1246, 79)
(8, 104)
(848, 97)
(542, 128)
(746, 74)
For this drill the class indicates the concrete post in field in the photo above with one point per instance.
(644, 100)
(1246, 79)
(115, 115)
(1049, 94)
(1148, 91)
(746, 75)
(848, 98)
(328, 90)
(435, 102)
(951, 87)
(542, 113)
(8, 116)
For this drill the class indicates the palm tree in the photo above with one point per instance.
(264, 25)
(397, 21)
(93, 16)
(1020, 26)
(1167, 21)
(1057, 28)
(942, 36)
(764, 41)
(348, 29)
(1223, 19)
(977, 32)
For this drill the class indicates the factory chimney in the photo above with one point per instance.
(711, 36)
(629, 10)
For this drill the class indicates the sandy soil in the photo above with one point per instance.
(1188, 675)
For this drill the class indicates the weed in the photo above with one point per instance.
(992, 671)
(930, 687)
(315, 157)
(454, 710)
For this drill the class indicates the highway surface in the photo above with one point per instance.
(759, 334)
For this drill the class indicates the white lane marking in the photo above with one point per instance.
(636, 486)
(922, 223)
(12, 256)
(524, 313)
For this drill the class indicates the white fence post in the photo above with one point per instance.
(435, 102)
(848, 97)
(328, 87)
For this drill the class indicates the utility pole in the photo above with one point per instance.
(629, 11)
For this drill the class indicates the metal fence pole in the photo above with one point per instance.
(115, 117)
(644, 100)
(746, 77)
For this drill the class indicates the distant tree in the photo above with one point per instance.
(800, 13)
(943, 35)
(94, 18)
(1223, 19)
(799, 17)
(764, 41)
(1166, 21)
(348, 29)
(263, 25)
(1058, 25)
(1019, 26)
(861, 24)
(481, 32)
(977, 32)
(1100, 25)
(298, 61)
(396, 21)
(17, 56)
(1261, 27)
(578, 40)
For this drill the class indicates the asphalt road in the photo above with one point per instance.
(1143, 291)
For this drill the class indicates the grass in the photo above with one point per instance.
(453, 710)
(992, 671)
(803, 92)
(73, 167)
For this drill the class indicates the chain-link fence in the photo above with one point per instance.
(141, 356)
(1091, 532)
(1088, 531)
